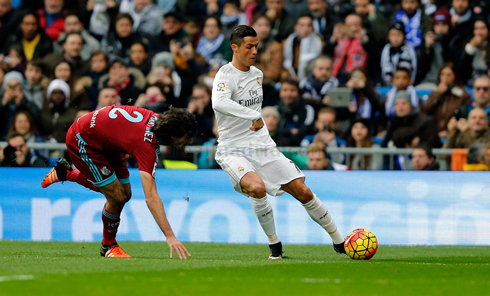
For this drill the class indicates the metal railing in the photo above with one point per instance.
(346, 151)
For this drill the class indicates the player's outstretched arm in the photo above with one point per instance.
(155, 205)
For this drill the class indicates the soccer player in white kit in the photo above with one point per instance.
(246, 151)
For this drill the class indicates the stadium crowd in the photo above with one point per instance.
(63, 59)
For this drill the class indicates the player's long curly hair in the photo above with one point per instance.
(174, 123)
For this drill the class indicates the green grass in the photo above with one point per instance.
(65, 268)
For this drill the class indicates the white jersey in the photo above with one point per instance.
(237, 101)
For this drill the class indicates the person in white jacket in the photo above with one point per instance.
(245, 149)
(301, 48)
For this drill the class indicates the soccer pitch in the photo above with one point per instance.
(67, 268)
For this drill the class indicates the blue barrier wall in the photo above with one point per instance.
(402, 208)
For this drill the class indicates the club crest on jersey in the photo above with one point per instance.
(221, 86)
(240, 169)
(105, 171)
(258, 81)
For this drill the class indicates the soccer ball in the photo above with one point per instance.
(361, 244)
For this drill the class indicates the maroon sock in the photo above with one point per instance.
(77, 176)
(111, 223)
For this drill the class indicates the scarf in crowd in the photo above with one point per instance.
(463, 18)
(350, 52)
(239, 19)
(122, 86)
(207, 48)
(390, 100)
(365, 109)
(413, 30)
(316, 90)
(391, 58)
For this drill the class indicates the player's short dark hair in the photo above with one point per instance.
(427, 149)
(38, 64)
(176, 123)
(240, 32)
(403, 136)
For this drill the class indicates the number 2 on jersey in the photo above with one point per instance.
(113, 115)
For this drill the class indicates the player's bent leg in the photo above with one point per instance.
(316, 209)
(253, 185)
(63, 171)
(117, 195)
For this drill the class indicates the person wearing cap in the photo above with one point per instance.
(13, 100)
(415, 21)
(439, 45)
(408, 116)
(361, 137)
(397, 53)
(57, 116)
(128, 83)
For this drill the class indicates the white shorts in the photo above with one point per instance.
(270, 164)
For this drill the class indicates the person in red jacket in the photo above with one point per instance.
(52, 18)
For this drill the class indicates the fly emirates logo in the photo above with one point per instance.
(255, 98)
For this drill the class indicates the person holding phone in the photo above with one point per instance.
(16, 154)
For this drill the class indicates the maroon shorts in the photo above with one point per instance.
(99, 166)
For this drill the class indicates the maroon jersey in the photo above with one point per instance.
(124, 129)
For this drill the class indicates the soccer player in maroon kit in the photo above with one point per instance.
(97, 144)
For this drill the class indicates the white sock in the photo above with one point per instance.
(319, 213)
(263, 211)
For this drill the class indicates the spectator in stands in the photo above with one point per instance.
(271, 119)
(52, 18)
(301, 48)
(128, 85)
(462, 133)
(208, 78)
(476, 52)
(462, 17)
(108, 96)
(405, 137)
(200, 106)
(72, 47)
(231, 17)
(173, 29)
(315, 87)
(375, 23)
(446, 98)
(57, 116)
(13, 101)
(24, 124)
(423, 159)
(16, 154)
(78, 96)
(163, 71)
(98, 67)
(323, 21)
(33, 89)
(297, 118)
(439, 45)
(481, 94)
(31, 36)
(347, 46)
(282, 23)
(158, 97)
(317, 159)
(397, 54)
(417, 24)
(401, 81)
(361, 137)
(99, 17)
(139, 57)
(74, 24)
(147, 17)
(213, 43)
(8, 22)
(118, 43)
(15, 58)
(365, 100)
(325, 132)
(269, 56)
(478, 158)
(408, 116)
